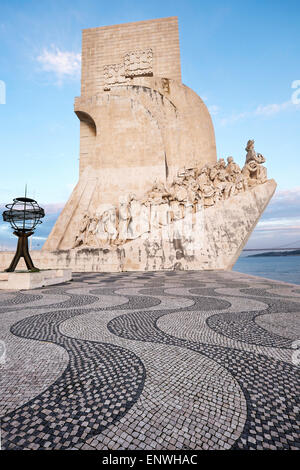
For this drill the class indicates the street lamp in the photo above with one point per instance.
(24, 215)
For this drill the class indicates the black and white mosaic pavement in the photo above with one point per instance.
(157, 360)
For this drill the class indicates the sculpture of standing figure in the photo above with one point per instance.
(235, 175)
(100, 233)
(253, 169)
(178, 190)
(124, 219)
(90, 239)
(219, 177)
(109, 221)
(134, 211)
(250, 151)
(80, 238)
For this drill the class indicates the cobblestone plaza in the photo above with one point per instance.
(153, 360)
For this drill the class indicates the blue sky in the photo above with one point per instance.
(241, 57)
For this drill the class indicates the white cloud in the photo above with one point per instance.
(4, 228)
(64, 64)
(213, 109)
(280, 223)
(271, 109)
(53, 208)
(261, 110)
(288, 195)
(284, 205)
(233, 118)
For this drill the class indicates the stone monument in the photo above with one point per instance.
(151, 193)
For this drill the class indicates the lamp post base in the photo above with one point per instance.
(22, 252)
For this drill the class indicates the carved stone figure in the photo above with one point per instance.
(253, 169)
(109, 221)
(219, 177)
(80, 238)
(250, 151)
(262, 171)
(232, 170)
(90, 238)
(240, 183)
(203, 177)
(135, 212)
(144, 219)
(124, 219)
(158, 194)
(254, 173)
(205, 186)
(192, 188)
(178, 190)
(208, 192)
(187, 172)
(101, 234)
(193, 193)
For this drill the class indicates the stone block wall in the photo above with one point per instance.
(109, 46)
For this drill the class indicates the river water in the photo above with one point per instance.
(280, 268)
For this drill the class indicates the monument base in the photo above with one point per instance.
(31, 280)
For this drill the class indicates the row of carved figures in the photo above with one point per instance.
(192, 188)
